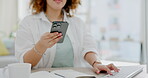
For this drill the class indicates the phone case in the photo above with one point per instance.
(61, 27)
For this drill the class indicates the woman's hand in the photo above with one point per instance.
(47, 40)
(99, 67)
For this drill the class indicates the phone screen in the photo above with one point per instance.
(60, 27)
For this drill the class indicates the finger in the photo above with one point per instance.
(108, 70)
(52, 42)
(96, 70)
(113, 67)
(56, 40)
(50, 35)
(47, 33)
(54, 37)
(58, 35)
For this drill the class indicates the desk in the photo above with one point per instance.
(89, 71)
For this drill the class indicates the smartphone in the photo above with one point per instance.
(60, 27)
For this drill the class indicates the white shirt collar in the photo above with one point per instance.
(43, 17)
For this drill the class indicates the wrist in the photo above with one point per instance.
(40, 48)
(96, 62)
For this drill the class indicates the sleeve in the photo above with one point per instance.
(24, 40)
(89, 42)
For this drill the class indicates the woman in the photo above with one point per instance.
(36, 45)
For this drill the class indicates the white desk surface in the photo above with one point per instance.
(143, 74)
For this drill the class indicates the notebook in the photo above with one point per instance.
(43, 74)
(60, 74)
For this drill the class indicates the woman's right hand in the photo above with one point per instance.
(47, 40)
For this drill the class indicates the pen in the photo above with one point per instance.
(59, 75)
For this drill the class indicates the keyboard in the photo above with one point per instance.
(125, 72)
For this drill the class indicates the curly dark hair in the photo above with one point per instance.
(40, 5)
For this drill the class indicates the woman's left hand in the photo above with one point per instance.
(100, 67)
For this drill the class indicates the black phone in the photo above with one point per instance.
(60, 27)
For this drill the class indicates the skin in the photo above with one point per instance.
(47, 40)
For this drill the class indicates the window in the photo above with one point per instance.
(116, 25)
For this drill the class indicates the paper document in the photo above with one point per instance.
(44, 74)
(72, 74)
(60, 74)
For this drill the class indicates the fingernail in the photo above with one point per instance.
(60, 35)
(98, 72)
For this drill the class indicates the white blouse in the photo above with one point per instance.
(33, 27)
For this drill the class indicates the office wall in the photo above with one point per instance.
(146, 31)
(23, 8)
(8, 15)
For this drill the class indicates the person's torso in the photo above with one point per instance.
(64, 56)
(74, 31)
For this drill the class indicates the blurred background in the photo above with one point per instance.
(116, 25)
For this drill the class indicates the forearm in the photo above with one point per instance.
(91, 57)
(33, 57)
(47, 40)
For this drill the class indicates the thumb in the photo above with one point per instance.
(96, 70)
